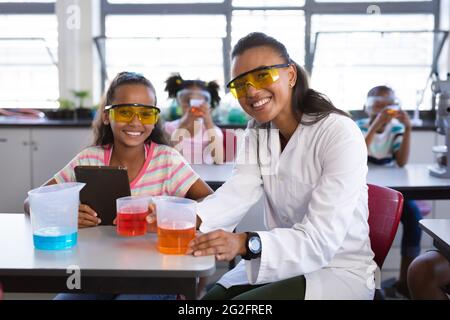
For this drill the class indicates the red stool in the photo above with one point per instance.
(385, 211)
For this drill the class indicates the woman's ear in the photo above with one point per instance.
(292, 75)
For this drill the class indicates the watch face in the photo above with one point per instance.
(254, 244)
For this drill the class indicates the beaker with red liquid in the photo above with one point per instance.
(131, 216)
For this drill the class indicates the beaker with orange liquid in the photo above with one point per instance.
(196, 106)
(393, 110)
(176, 222)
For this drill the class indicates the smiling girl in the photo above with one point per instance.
(128, 134)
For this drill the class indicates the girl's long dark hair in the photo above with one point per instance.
(175, 83)
(103, 134)
(304, 99)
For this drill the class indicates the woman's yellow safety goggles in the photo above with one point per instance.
(126, 112)
(258, 78)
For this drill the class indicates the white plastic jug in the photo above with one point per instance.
(54, 215)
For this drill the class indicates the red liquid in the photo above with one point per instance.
(131, 224)
(175, 241)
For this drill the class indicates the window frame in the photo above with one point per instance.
(16, 8)
(27, 8)
(226, 8)
(310, 8)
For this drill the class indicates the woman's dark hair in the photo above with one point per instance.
(304, 99)
(175, 83)
(103, 134)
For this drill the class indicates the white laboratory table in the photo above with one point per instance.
(439, 230)
(413, 180)
(107, 262)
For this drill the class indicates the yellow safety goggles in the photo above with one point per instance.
(258, 78)
(126, 112)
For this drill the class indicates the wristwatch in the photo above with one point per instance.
(253, 246)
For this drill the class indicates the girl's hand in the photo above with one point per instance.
(87, 217)
(403, 117)
(189, 117)
(224, 245)
(151, 218)
(206, 112)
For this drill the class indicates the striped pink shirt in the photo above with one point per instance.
(165, 171)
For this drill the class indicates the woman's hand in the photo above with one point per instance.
(87, 217)
(224, 245)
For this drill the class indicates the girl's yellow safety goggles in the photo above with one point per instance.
(258, 78)
(126, 112)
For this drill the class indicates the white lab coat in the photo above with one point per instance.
(316, 209)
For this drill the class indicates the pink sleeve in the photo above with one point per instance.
(67, 174)
(171, 126)
(86, 157)
(181, 176)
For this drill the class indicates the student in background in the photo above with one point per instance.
(128, 134)
(201, 140)
(387, 132)
(429, 276)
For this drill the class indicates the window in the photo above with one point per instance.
(28, 57)
(268, 3)
(27, 1)
(286, 26)
(370, 1)
(164, 1)
(350, 60)
(159, 45)
(344, 64)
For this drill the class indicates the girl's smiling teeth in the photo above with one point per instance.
(260, 103)
(133, 133)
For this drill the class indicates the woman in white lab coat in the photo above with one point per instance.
(307, 159)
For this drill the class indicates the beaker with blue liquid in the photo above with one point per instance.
(54, 215)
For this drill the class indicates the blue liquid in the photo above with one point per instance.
(54, 239)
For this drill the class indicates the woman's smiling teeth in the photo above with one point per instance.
(134, 133)
(258, 104)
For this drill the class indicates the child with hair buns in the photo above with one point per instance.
(195, 135)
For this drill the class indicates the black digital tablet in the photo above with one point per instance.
(104, 185)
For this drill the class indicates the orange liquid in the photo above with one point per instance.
(392, 112)
(197, 111)
(174, 238)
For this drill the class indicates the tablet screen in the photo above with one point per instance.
(104, 185)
